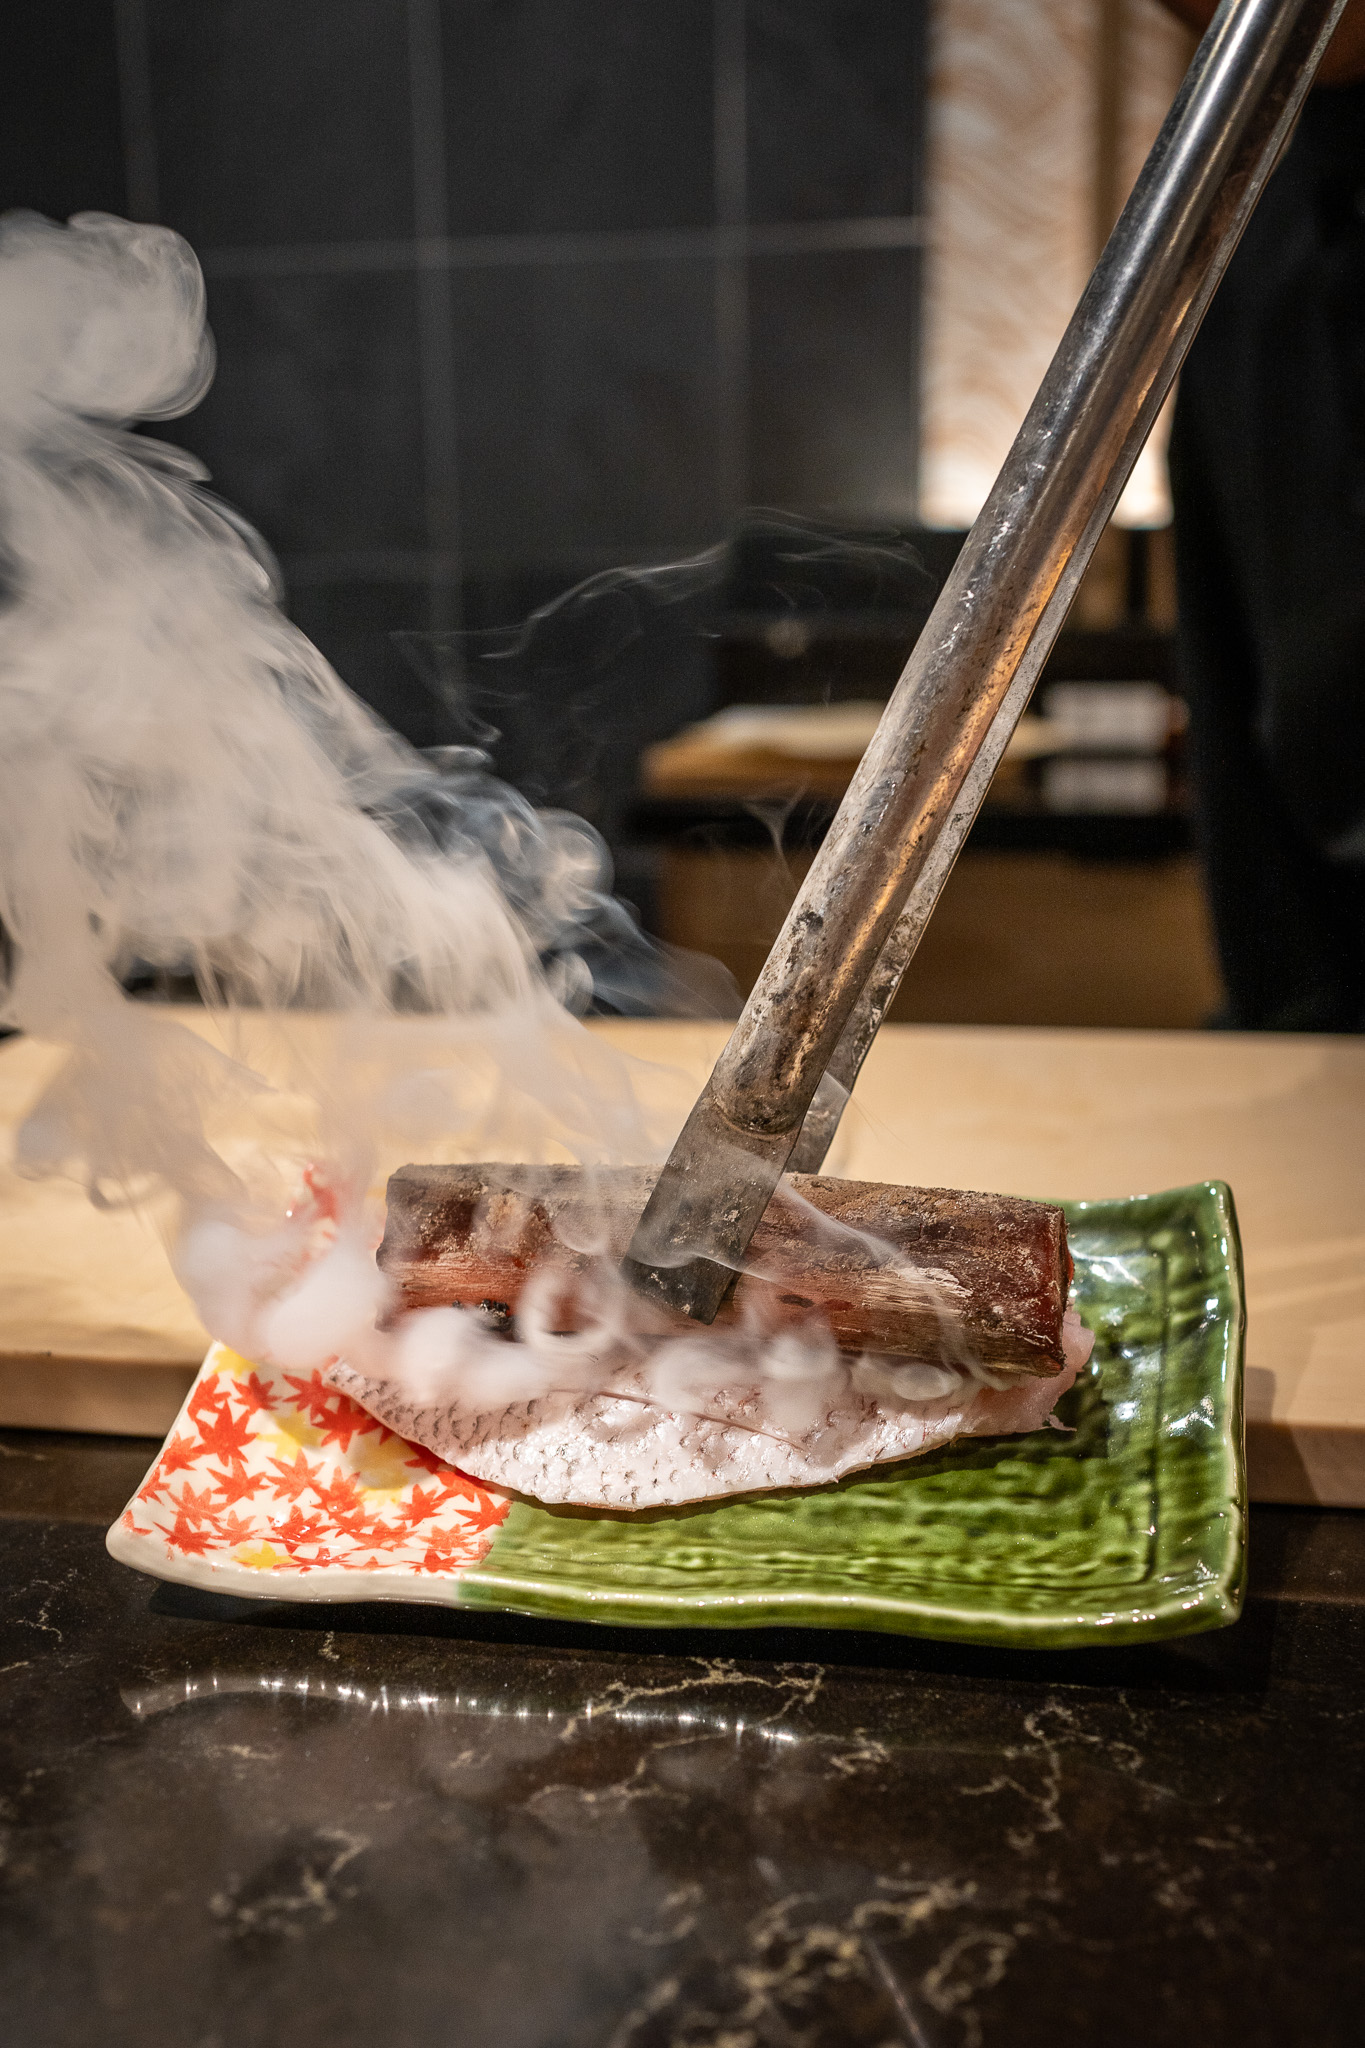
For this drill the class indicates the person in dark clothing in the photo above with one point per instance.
(1268, 480)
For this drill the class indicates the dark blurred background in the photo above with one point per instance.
(510, 292)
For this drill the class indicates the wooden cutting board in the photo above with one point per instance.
(95, 1333)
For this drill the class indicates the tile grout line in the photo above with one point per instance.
(608, 245)
(435, 317)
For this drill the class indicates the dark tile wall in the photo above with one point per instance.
(61, 139)
(588, 410)
(311, 423)
(577, 114)
(834, 98)
(282, 123)
(507, 291)
(833, 343)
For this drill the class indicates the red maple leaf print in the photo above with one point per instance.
(314, 1397)
(487, 1515)
(178, 1454)
(195, 1507)
(207, 1399)
(152, 1485)
(423, 1460)
(420, 1507)
(321, 1556)
(344, 1495)
(345, 1420)
(255, 1393)
(236, 1528)
(464, 1494)
(353, 1523)
(327, 1199)
(235, 1484)
(295, 1479)
(299, 1528)
(227, 1436)
(345, 1501)
(446, 1549)
(194, 1542)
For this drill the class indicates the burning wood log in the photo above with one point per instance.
(928, 1273)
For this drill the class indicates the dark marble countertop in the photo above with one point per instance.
(228, 1823)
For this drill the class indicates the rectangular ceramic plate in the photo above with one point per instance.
(1130, 1527)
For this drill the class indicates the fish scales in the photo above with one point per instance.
(616, 1449)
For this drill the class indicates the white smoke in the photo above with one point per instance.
(202, 792)
(186, 787)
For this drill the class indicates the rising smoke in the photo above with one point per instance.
(187, 789)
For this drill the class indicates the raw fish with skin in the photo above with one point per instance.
(619, 1448)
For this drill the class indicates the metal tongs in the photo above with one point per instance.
(775, 1097)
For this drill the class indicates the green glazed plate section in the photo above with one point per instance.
(1129, 1528)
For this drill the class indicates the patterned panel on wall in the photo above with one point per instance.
(1017, 127)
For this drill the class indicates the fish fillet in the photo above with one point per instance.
(618, 1448)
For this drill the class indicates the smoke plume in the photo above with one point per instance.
(187, 790)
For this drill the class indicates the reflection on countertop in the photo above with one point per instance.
(239, 1823)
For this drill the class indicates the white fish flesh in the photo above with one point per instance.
(619, 1448)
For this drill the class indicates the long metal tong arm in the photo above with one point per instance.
(907, 810)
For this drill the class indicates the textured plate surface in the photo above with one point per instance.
(1130, 1527)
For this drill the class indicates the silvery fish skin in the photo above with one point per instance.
(620, 1449)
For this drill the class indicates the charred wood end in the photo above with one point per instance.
(927, 1273)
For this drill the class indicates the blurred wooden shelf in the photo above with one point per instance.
(1016, 938)
(726, 779)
